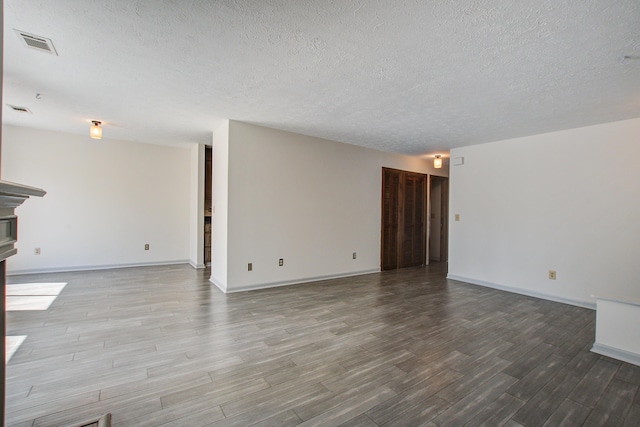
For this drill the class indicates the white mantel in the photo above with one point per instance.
(12, 195)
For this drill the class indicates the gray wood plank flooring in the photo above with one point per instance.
(159, 346)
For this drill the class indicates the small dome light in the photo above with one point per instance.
(96, 129)
(437, 161)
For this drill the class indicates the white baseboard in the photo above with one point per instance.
(197, 266)
(219, 285)
(93, 267)
(549, 297)
(225, 289)
(616, 353)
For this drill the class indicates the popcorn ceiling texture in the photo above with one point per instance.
(414, 77)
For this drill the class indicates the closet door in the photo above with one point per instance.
(403, 219)
(390, 218)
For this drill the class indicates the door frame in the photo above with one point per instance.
(400, 218)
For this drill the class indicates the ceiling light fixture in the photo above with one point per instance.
(96, 129)
(437, 161)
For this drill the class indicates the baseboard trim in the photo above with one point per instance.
(226, 290)
(197, 266)
(94, 267)
(570, 301)
(219, 285)
(616, 353)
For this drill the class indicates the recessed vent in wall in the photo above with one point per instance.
(42, 44)
(19, 109)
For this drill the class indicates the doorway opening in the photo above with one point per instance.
(439, 215)
(207, 204)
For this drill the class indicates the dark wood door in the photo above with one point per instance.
(403, 219)
(390, 218)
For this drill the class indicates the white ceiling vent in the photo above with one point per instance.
(42, 44)
(19, 109)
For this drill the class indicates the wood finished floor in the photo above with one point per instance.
(161, 346)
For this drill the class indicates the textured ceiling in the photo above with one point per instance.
(415, 77)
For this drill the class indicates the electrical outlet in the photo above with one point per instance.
(552, 274)
(281, 262)
(354, 255)
(36, 251)
(146, 246)
(250, 266)
(457, 217)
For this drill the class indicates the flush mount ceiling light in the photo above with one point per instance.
(95, 131)
(437, 161)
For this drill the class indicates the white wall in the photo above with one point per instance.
(105, 200)
(219, 205)
(196, 204)
(615, 337)
(310, 201)
(567, 201)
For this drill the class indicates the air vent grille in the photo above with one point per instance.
(42, 44)
(19, 109)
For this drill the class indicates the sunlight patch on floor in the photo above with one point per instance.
(28, 303)
(36, 288)
(32, 296)
(28, 297)
(12, 344)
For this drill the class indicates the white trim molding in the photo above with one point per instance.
(616, 353)
(94, 267)
(570, 301)
(219, 285)
(255, 287)
(197, 266)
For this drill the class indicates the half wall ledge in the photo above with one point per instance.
(617, 332)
